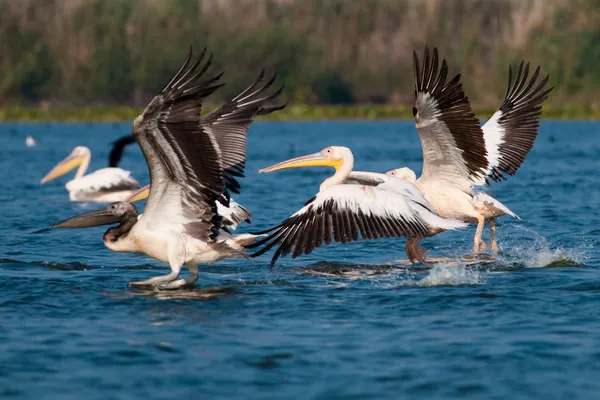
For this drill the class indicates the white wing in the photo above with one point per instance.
(452, 140)
(340, 213)
(102, 181)
(194, 160)
(509, 134)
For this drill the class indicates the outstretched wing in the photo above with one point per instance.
(195, 160)
(509, 134)
(452, 141)
(229, 124)
(184, 159)
(341, 212)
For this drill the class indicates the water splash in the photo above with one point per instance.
(441, 275)
(539, 254)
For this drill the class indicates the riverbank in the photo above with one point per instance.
(290, 113)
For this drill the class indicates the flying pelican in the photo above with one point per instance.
(455, 160)
(232, 215)
(193, 162)
(378, 206)
(103, 186)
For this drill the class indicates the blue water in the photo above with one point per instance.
(339, 323)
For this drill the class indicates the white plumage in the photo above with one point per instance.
(458, 155)
(194, 162)
(352, 204)
(105, 185)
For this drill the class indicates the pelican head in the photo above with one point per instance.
(141, 194)
(332, 156)
(77, 157)
(112, 214)
(122, 212)
(403, 173)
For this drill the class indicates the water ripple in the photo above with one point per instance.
(349, 320)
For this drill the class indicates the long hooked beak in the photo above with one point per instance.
(141, 194)
(63, 167)
(311, 160)
(87, 220)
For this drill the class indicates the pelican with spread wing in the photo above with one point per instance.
(194, 162)
(458, 158)
(350, 204)
(233, 214)
(103, 186)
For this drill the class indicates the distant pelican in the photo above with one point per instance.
(376, 206)
(103, 186)
(457, 158)
(30, 141)
(193, 163)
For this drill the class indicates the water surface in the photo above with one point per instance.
(339, 323)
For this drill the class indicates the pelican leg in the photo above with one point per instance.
(414, 252)
(477, 241)
(493, 243)
(182, 282)
(157, 280)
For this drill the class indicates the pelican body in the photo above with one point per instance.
(193, 162)
(352, 203)
(458, 154)
(482, 203)
(169, 244)
(105, 185)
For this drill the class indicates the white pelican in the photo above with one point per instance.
(458, 154)
(378, 206)
(103, 186)
(232, 215)
(483, 203)
(193, 161)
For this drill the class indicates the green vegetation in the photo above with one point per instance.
(290, 113)
(104, 59)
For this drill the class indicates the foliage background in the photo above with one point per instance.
(90, 53)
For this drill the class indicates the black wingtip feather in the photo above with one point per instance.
(452, 109)
(519, 118)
